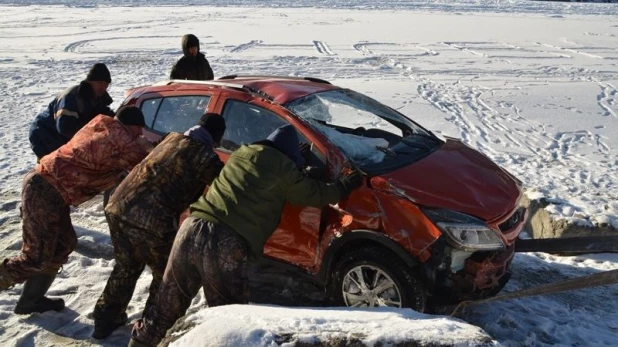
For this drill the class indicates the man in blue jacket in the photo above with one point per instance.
(70, 111)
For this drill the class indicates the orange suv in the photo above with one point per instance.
(435, 220)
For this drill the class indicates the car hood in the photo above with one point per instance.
(459, 178)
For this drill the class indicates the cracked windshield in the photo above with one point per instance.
(368, 132)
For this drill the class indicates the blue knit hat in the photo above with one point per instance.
(285, 139)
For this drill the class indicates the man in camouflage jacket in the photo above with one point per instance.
(143, 214)
(91, 162)
(231, 221)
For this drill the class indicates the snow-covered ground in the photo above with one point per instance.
(533, 85)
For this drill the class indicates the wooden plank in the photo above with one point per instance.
(586, 244)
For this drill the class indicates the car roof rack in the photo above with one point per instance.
(217, 83)
(310, 79)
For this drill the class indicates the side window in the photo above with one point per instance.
(149, 109)
(246, 123)
(180, 113)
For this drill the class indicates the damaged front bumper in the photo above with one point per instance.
(483, 274)
(479, 275)
(465, 274)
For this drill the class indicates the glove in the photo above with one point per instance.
(350, 181)
(315, 172)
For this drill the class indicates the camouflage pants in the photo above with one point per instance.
(204, 255)
(134, 248)
(48, 235)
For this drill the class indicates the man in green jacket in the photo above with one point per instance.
(232, 221)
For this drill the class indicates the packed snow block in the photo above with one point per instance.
(271, 325)
(543, 224)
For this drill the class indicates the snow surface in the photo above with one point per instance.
(236, 326)
(533, 85)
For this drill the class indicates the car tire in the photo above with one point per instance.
(398, 285)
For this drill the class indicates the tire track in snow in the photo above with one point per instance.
(245, 46)
(363, 47)
(118, 29)
(459, 46)
(74, 47)
(589, 55)
(427, 50)
(322, 47)
(462, 46)
(550, 55)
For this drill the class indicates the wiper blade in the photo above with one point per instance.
(387, 151)
(426, 136)
(407, 141)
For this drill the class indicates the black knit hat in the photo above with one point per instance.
(99, 72)
(215, 124)
(131, 115)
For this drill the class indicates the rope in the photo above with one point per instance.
(594, 280)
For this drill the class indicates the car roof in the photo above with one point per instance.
(280, 89)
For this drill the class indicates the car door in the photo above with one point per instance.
(296, 238)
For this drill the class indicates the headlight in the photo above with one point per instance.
(465, 232)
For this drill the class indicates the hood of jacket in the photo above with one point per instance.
(188, 41)
(199, 133)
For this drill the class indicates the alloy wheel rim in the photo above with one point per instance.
(370, 286)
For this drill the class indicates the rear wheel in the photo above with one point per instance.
(373, 277)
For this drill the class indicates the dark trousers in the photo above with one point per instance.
(134, 248)
(205, 255)
(48, 235)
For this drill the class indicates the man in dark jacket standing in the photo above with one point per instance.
(233, 220)
(70, 111)
(193, 65)
(91, 162)
(143, 214)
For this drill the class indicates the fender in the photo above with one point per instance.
(354, 236)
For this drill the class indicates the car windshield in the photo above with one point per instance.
(372, 135)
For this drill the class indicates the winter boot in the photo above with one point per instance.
(6, 281)
(104, 328)
(33, 295)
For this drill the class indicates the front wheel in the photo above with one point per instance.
(373, 277)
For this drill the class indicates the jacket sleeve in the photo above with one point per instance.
(176, 73)
(67, 115)
(108, 112)
(104, 108)
(213, 170)
(208, 73)
(305, 191)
